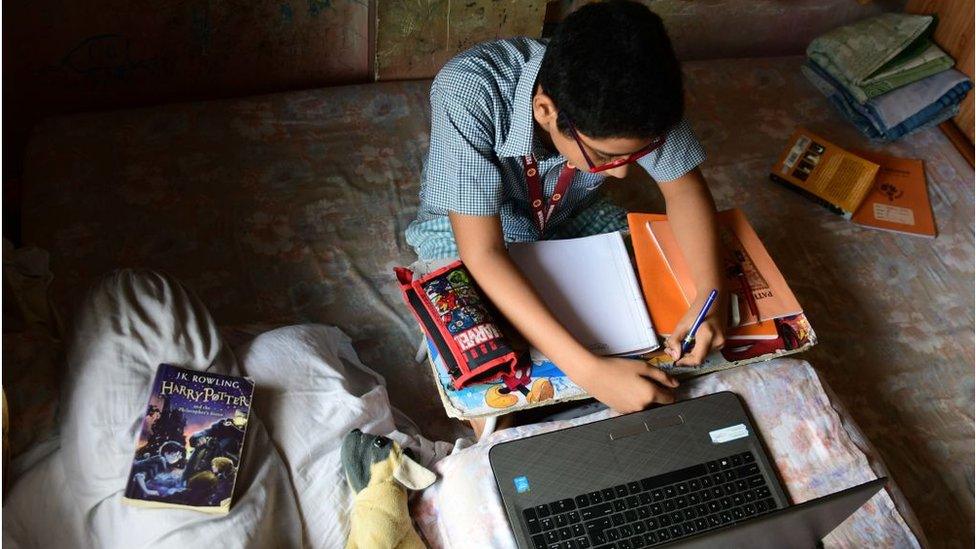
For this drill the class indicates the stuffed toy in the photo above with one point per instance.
(380, 474)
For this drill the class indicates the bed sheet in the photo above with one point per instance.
(290, 208)
(814, 446)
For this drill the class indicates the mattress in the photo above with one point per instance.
(290, 208)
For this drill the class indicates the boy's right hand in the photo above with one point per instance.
(627, 385)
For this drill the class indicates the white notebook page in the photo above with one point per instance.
(590, 286)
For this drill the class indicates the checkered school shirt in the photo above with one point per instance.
(481, 126)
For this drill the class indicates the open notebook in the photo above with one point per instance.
(589, 284)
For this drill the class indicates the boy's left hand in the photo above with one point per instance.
(709, 337)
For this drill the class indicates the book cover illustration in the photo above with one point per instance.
(189, 447)
(899, 199)
(535, 383)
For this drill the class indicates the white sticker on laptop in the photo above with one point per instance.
(729, 433)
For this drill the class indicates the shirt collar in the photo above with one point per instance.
(520, 140)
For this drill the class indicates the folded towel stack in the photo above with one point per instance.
(886, 76)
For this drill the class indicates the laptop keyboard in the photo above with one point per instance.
(655, 510)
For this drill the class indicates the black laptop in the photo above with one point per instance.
(693, 473)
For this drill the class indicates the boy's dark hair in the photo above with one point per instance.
(611, 69)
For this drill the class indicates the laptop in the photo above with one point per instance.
(693, 473)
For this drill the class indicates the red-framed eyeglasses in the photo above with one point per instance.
(633, 157)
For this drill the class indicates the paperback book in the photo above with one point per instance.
(189, 447)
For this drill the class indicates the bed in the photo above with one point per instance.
(290, 208)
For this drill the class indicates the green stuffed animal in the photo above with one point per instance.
(380, 473)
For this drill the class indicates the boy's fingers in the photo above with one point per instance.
(664, 397)
(661, 377)
(703, 344)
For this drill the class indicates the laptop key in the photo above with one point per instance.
(582, 543)
(757, 481)
(747, 457)
(546, 524)
(650, 537)
(595, 497)
(561, 520)
(565, 533)
(539, 541)
(542, 510)
(738, 514)
(634, 487)
(533, 525)
(738, 499)
(639, 527)
(652, 523)
(725, 463)
(736, 461)
(574, 517)
(644, 498)
(599, 538)
(669, 492)
(701, 524)
(726, 503)
(618, 519)
(664, 520)
(619, 505)
(644, 512)
(658, 494)
(613, 534)
(552, 537)
(725, 517)
(657, 508)
(681, 488)
(762, 492)
(637, 541)
(702, 510)
(663, 534)
(713, 520)
(693, 499)
(607, 494)
(598, 525)
(582, 501)
(632, 502)
(706, 482)
(624, 544)
(626, 531)
(595, 511)
(689, 514)
(680, 502)
(749, 509)
(676, 531)
(729, 488)
(578, 530)
(630, 515)
(669, 505)
(712, 466)
(689, 528)
(694, 484)
(620, 490)
(677, 517)
(749, 495)
(771, 504)
(564, 505)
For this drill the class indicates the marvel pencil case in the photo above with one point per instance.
(455, 317)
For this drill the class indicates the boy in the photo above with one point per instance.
(522, 133)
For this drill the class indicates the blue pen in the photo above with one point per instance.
(689, 341)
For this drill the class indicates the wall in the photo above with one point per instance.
(954, 34)
(61, 56)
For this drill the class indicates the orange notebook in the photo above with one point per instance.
(899, 199)
(667, 283)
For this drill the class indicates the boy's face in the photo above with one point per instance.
(600, 151)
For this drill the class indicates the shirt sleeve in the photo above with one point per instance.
(680, 153)
(462, 173)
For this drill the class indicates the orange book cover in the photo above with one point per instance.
(899, 199)
(666, 279)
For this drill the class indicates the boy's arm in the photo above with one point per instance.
(624, 385)
(691, 213)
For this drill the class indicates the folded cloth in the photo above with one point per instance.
(879, 54)
(900, 112)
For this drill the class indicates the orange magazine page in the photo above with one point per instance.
(818, 167)
(899, 199)
(667, 284)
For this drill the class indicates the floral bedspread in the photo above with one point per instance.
(814, 446)
(290, 208)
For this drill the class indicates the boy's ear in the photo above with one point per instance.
(543, 108)
(412, 475)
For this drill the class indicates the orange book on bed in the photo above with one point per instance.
(667, 283)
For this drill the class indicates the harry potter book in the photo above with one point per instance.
(189, 447)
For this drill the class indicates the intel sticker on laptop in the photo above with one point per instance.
(521, 484)
(729, 433)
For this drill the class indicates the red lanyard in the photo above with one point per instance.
(540, 209)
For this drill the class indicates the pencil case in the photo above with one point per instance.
(457, 319)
